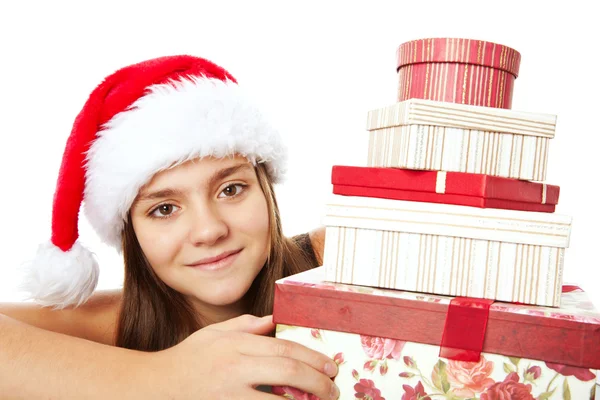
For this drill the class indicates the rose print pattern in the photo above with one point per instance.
(468, 378)
(464, 380)
(533, 373)
(373, 368)
(379, 350)
(365, 389)
(339, 359)
(509, 388)
(416, 393)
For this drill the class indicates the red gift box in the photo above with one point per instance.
(476, 190)
(568, 335)
(461, 71)
(393, 344)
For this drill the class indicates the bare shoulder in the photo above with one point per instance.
(317, 239)
(94, 320)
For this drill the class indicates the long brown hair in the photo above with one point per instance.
(154, 316)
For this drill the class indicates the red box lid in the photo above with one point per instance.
(568, 335)
(476, 190)
(467, 51)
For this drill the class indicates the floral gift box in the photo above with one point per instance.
(391, 344)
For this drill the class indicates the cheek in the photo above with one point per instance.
(255, 219)
(159, 244)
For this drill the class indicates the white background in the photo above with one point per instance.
(316, 66)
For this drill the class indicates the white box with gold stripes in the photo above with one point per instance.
(505, 255)
(433, 135)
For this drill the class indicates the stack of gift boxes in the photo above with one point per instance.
(443, 261)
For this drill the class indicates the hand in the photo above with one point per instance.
(230, 359)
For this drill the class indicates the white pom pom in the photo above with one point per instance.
(61, 279)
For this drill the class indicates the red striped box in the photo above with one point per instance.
(456, 70)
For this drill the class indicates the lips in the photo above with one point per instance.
(212, 260)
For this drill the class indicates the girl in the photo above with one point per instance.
(175, 168)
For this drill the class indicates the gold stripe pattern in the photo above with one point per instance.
(388, 256)
(437, 148)
(427, 112)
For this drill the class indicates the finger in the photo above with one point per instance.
(246, 323)
(260, 346)
(291, 373)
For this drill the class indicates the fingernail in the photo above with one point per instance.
(331, 368)
(335, 392)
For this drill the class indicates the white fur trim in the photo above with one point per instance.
(173, 123)
(60, 279)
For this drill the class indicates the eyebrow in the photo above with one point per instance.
(225, 172)
(216, 177)
(161, 194)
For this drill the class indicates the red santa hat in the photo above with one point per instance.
(140, 120)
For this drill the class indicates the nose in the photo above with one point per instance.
(207, 225)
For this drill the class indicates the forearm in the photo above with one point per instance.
(37, 364)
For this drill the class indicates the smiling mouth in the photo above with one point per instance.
(217, 262)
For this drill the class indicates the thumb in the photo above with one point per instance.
(248, 324)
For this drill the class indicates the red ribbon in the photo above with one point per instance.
(570, 288)
(464, 329)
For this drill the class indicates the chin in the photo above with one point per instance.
(222, 300)
(223, 294)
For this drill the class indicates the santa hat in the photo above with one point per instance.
(142, 119)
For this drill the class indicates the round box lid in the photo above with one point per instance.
(457, 50)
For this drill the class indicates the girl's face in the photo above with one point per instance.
(204, 228)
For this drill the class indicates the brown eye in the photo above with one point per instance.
(163, 211)
(232, 190)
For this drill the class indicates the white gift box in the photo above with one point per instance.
(432, 135)
(506, 255)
